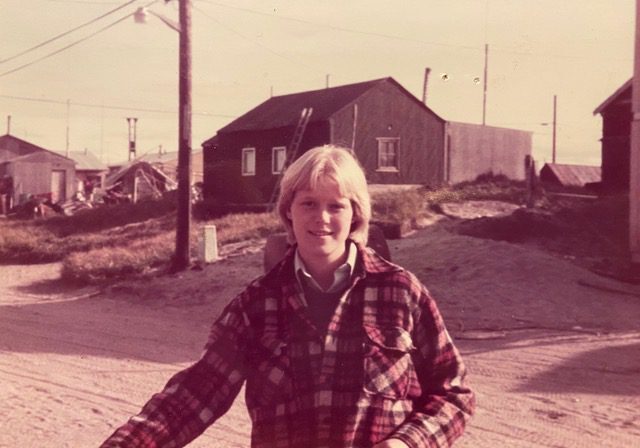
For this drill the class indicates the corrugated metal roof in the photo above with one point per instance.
(86, 161)
(574, 175)
(284, 110)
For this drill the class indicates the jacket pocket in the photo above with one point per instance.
(388, 367)
(269, 382)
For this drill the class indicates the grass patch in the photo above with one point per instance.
(126, 240)
(138, 254)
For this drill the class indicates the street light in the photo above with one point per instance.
(181, 258)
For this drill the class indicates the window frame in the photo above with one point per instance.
(243, 168)
(274, 151)
(388, 168)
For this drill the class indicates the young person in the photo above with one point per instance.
(337, 346)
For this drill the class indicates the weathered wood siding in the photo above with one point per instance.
(475, 149)
(223, 179)
(387, 112)
(616, 144)
(32, 174)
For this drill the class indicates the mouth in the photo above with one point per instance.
(320, 233)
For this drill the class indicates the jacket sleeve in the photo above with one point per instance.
(446, 403)
(195, 397)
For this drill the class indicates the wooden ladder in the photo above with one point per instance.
(292, 149)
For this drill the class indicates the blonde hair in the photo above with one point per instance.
(335, 163)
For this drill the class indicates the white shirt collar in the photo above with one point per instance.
(341, 276)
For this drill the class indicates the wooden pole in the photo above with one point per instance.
(181, 258)
(68, 117)
(555, 115)
(425, 84)
(634, 173)
(484, 91)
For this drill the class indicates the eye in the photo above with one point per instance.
(337, 207)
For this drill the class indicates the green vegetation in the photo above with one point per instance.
(119, 241)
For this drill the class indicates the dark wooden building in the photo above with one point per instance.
(397, 139)
(616, 139)
(35, 171)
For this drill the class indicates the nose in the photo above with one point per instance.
(323, 215)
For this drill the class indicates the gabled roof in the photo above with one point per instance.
(284, 110)
(24, 145)
(574, 175)
(621, 91)
(113, 178)
(86, 161)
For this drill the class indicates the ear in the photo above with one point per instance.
(288, 214)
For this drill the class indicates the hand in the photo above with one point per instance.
(391, 443)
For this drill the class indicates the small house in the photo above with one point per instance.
(30, 170)
(90, 171)
(616, 138)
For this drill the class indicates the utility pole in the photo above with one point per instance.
(181, 259)
(555, 115)
(68, 114)
(484, 90)
(634, 163)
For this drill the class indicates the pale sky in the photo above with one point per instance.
(579, 50)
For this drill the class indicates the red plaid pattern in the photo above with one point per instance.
(385, 368)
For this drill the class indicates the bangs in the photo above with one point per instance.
(325, 170)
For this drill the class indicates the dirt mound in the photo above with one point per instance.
(593, 233)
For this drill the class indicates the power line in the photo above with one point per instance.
(337, 28)
(73, 44)
(35, 47)
(409, 39)
(104, 106)
(252, 40)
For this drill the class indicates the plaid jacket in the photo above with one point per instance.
(386, 367)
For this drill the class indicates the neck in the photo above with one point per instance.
(323, 269)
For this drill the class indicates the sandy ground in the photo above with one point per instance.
(553, 349)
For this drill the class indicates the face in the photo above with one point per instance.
(321, 220)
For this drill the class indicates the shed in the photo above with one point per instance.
(616, 138)
(89, 169)
(569, 176)
(35, 171)
(396, 138)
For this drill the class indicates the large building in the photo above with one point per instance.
(396, 138)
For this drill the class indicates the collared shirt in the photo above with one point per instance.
(386, 368)
(341, 275)
(321, 303)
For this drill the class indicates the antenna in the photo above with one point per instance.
(132, 122)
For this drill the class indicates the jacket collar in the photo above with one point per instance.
(369, 263)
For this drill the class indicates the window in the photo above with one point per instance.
(388, 154)
(248, 161)
(278, 157)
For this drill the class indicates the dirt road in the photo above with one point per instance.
(553, 350)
